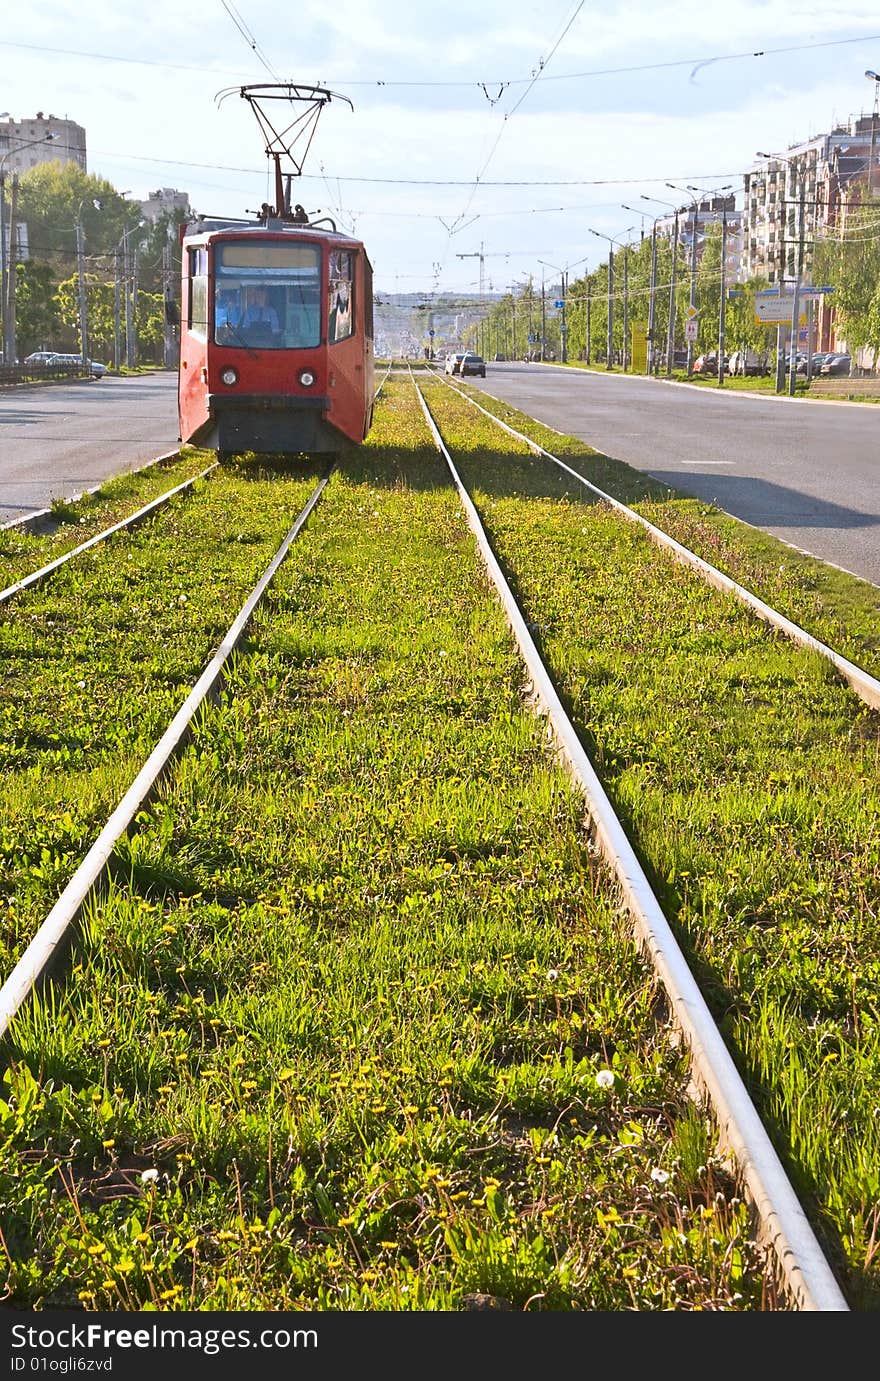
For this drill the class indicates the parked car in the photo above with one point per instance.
(94, 367)
(473, 364)
(708, 364)
(819, 359)
(747, 363)
(453, 362)
(50, 358)
(836, 364)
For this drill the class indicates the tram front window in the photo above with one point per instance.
(267, 295)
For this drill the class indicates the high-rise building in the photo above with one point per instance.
(164, 201)
(820, 169)
(25, 143)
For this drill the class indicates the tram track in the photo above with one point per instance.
(132, 937)
(266, 696)
(866, 686)
(783, 1223)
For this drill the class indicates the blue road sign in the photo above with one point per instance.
(559, 304)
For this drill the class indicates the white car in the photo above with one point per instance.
(453, 362)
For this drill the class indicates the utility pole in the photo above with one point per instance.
(652, 303)
(670, 336)
(609, 339)
(80, 273)
(723, 302)
(9, 325)
(166, 297)
(588, 342)
(117, 352)
(126, 286)
(625, 307)
(543, 318)
(693, 290)
(796, 304)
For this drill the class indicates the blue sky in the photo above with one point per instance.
(579, 108)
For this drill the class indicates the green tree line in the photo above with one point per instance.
(848, 261)
(50, 199)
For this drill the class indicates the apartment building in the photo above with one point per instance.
(819, 170)
(165, 201)
(25, 143)
(697, 217)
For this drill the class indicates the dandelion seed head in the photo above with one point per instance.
(605, 1078)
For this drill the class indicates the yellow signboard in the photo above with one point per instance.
(639, 347)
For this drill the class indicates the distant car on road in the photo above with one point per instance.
(453, 362)
(472, 364)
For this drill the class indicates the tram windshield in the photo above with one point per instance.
(267, 295)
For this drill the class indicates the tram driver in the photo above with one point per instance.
(260, 324)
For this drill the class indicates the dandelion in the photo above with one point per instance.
(81, 685)
(605, 1078)
(659, 1176)
(149, 1176)
(552, 975)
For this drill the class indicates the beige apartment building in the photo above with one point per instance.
(25, 143)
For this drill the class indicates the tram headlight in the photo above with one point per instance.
(229, 376)
(306, 377)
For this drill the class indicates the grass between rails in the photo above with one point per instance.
(357, 1026)
(837, 608)
(748, 777)
(97, 661)
(75, 521)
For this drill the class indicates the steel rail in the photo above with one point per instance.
(802, 1266)
(37, 577)
(867, 687)
(36, 958)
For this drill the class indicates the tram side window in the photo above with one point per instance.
(340, 314)
(198, 291)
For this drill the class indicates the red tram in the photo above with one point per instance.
(276, 336)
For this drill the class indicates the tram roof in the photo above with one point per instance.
(212, 225)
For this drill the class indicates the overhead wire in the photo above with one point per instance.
(693, 62)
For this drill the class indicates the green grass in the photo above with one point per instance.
(358, 1024)
(73, 521)
(747, 776)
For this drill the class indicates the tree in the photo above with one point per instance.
(51, 198)
(37, 316)
(850, 261)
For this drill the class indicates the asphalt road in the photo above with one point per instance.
(59, 440)
(808, 472)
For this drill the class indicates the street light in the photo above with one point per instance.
(80, 269)
(722, 301)
(7, 291)
(693, 292)
(799, 175)
(621, 244)
(652, 291)
(875, 78)
(563, 330)
(670, 330)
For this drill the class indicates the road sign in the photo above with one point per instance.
(776, 308)
(431, 332)
(692, 312)
(559, 305)
(691, 328)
